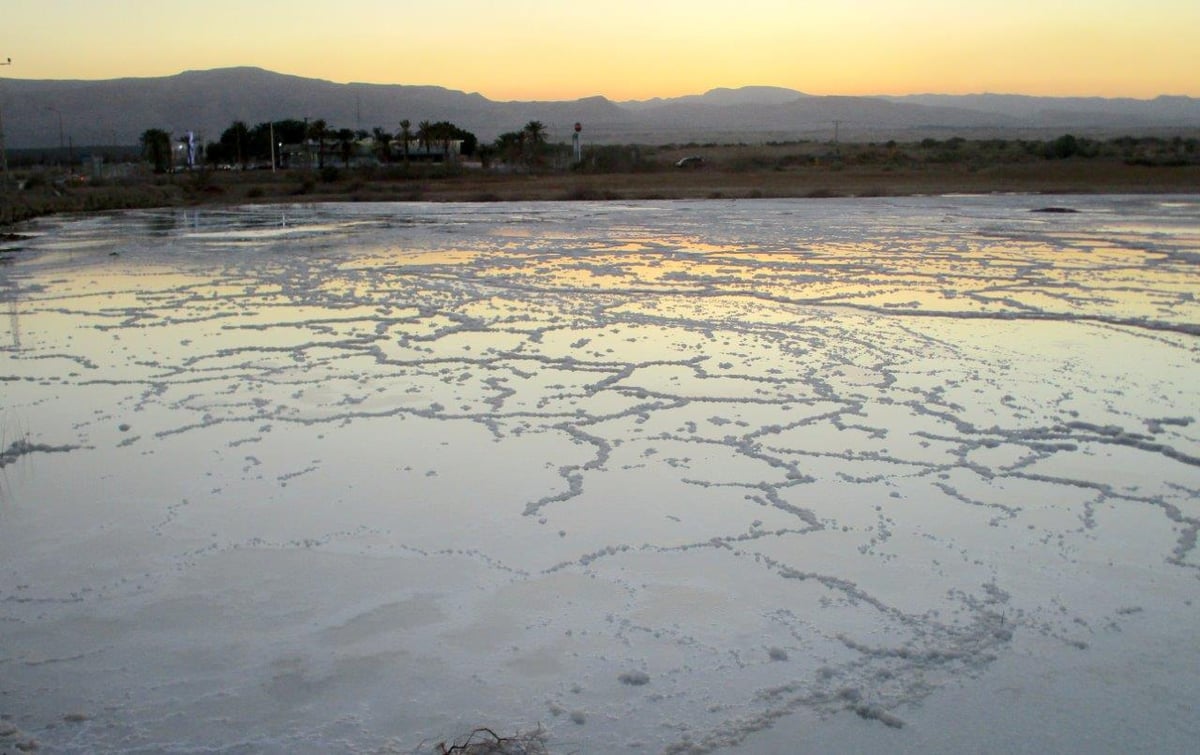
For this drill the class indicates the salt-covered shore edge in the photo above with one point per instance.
(209, 188)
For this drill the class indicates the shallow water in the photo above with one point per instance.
(825, 475)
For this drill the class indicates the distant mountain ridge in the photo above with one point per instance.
(117, 111)
(749, 95)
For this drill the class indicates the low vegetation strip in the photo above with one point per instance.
(1066, 165)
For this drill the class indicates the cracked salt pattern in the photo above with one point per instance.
(664, 477)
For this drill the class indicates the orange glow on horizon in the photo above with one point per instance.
(537, 49)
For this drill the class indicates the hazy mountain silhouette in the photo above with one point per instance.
(751, 95)
(119, 110)
(1053, 112)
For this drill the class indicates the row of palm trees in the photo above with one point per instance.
(525, 146)
(241, 144)
(427, 136)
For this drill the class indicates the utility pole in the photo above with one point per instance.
(3, 149)
(62, 143)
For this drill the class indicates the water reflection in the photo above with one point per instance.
(14, 317)
(162, 223)
(805, 458)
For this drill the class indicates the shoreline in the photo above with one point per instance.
(209, 188)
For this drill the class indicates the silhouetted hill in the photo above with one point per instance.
(117, 111)
(1056, 112)
(751, 95)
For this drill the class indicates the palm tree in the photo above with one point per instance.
(535, 137)
(425, 134)
(383, 143)
(509, 145)
(345, 138)
(443, 131)
(156, 147)
(406, 135)
(536, 132)
(319, 130)
(235, 140)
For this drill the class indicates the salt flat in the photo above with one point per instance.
(759, 476)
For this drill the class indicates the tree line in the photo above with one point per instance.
(244, 146)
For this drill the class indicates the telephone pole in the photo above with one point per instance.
(3, 149)
(62, 143)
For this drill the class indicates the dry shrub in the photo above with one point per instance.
(306, 183)
(484, 741)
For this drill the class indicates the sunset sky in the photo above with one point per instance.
(553, 50)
